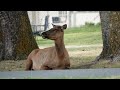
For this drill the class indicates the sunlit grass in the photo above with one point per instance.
(85, 35)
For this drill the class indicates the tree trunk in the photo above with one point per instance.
(16, 39)
(110, 22)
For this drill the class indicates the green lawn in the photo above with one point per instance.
(85, 35)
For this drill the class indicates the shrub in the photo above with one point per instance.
(89, 24)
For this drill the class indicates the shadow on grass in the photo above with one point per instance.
(82, 63)
(85, 66)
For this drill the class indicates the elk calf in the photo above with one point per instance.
(50, 58)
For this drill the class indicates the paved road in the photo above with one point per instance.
(74, 73)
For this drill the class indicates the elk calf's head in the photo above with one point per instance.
(54, 33)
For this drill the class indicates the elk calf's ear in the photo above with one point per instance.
(64, 26)
(53, 25)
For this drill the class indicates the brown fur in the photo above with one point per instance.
(50, 58)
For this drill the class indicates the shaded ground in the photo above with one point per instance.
(11, 65)
(81, 57)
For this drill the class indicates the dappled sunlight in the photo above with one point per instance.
(84, 50)
(85, 53)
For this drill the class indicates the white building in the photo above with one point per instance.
(71, 18)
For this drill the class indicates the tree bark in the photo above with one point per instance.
(110, 23)
(16, 39)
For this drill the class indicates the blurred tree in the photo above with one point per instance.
(110, 23)
(16, 39)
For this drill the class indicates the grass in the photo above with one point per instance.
(85, 35)
(80, 58)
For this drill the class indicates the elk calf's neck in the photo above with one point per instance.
(55, 57)
(60, 47)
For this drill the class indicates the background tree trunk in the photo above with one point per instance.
(16, 39)
(110, 22)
